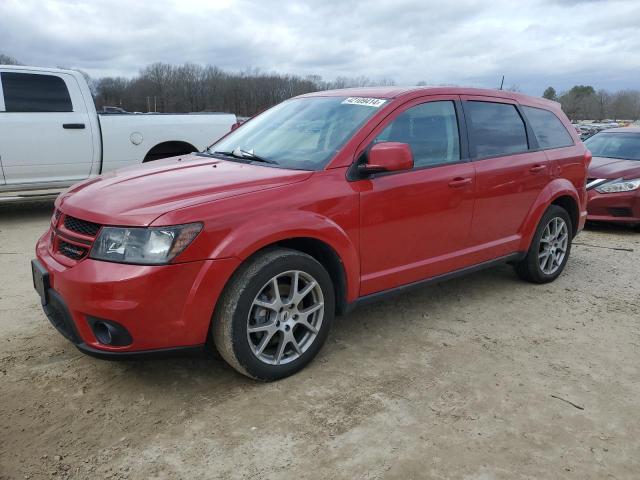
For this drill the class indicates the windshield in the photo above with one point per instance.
(625, 146)
(302, 133)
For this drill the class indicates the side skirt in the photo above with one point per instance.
(383, 295)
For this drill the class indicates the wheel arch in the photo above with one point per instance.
(328, 258)
(306, 232)
(167, 149)
(560, 192)
(568, 203)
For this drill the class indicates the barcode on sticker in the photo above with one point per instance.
(369, 102)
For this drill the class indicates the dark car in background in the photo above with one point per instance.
(613, 185)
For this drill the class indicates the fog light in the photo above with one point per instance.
(108, 332)
(103, 333)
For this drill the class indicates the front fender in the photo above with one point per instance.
(246, 239)
(558, 187)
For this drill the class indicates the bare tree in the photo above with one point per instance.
(194, 88)
(8, 60)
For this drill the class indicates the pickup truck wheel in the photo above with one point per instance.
(550, 248)
(274, 315)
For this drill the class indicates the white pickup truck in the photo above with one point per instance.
(51, 136)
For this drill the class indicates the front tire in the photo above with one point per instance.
(550, 248)
(274, 315)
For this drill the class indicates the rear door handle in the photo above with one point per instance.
(538, 168)
(459, 182)
(73, 126)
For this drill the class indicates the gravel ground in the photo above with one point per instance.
(479, 378)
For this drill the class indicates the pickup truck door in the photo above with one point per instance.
(45, 130)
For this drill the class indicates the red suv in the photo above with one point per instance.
(319, 204)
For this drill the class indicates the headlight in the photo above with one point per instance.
(619, 185)
(146, 246)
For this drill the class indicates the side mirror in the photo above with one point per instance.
(387, 157)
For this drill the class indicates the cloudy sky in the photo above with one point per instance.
(534, 43)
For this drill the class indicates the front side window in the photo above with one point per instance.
(28, 92)
(547, 128)
(303, 133)
(430, 129)
(495, 129)
(625, 146)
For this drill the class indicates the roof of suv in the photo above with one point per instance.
(396, 92)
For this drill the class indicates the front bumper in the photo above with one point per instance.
(614, 207)
(164, 308)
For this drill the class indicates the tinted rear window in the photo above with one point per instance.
(495, 129)
(548, 129)
(26, 92)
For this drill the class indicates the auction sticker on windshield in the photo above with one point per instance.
(369, 102)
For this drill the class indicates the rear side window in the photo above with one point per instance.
(548, 129)
(495, 128)
(430, 129)
(26, 92)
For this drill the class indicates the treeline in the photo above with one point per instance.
(193, 88)
(583, 102)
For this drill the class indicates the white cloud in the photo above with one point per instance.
(465, 42)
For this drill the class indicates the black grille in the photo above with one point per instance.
(81, 226)
(71, 251)
(620, 212)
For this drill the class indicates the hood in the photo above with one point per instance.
(612, 168)
(135, 196)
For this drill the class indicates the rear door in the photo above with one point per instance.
(415, 224)
(45, 134)
(510, 173)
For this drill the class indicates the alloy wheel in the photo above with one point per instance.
(553, 245)
(285, 317)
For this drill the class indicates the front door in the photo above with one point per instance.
(45, 133)
(415, 224)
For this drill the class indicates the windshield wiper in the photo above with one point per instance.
(247, 155)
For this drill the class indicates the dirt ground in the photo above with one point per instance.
(468, 379)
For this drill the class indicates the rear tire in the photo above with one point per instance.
(550, 248)
(274, 315)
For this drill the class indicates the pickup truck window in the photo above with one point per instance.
(303, 133)
(27, 92)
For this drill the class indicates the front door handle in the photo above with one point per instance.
(459, 182)
(73, 126)
(538, 168)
